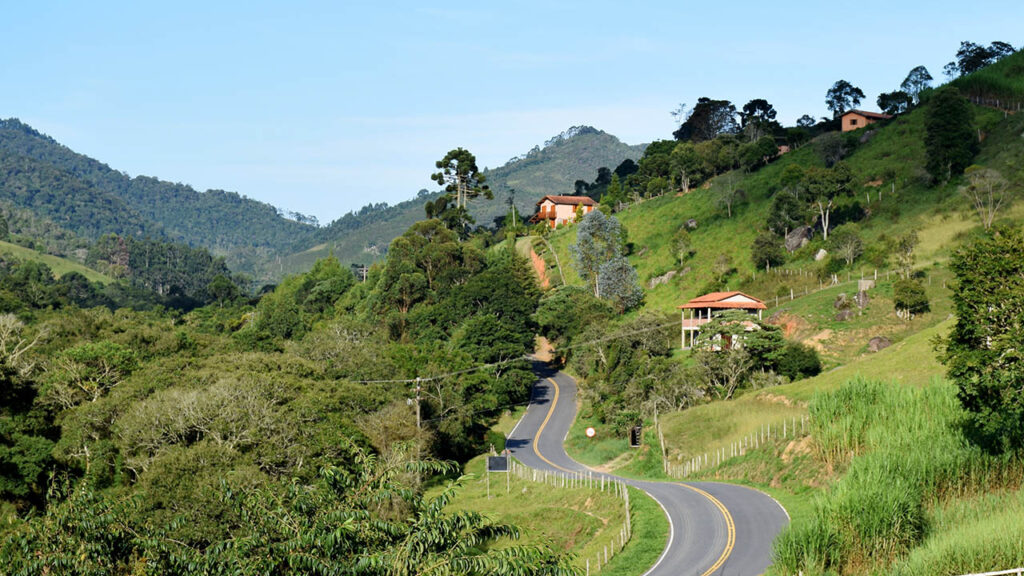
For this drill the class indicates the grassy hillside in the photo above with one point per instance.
(59, 266)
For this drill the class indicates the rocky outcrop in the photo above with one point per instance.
(798, 238)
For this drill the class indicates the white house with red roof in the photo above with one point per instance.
(557, 210)
(699, 311)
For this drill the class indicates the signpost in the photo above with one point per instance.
(498, 464)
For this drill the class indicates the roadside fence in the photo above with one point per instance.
(791, 428)
(590, 481)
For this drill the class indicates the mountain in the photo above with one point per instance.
(90, 199)
(553, 168)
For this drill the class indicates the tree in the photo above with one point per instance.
(971, 57)
(462, 180)
(786, 212)
(896, 102)
(830, 147)
(842, 96)
(987, 191)
(824, 187)
(917, 81)
(617, 283)
(806, 121)
(909, 298)
(949, 141)
(598, 241)
(904, 252)
(727, 194)
(846, 243)
(757, 118)
(686, 165)
(708, 119)
(767, 251)
(982, 353)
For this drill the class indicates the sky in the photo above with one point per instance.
(324, 107)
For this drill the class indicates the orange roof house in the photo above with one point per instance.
(856, 119)
(702, 308)
(558, 210)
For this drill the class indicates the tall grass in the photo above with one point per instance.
(903, 453)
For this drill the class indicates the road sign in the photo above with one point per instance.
(497, 463)
(636, 435)
(591, 432)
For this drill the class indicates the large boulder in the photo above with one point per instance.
(878, 343)
(799, 237)
(820, 255)
(657, 280)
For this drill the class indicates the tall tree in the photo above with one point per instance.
(972, 57)
(917, 81)
(825, 187)
(461, 177)
(598, 241)
(842, 96)
(806, 121)
(896, 102)
(758, 118)
(949, 139)
(988, 192)
(708, 119)
(982, 353)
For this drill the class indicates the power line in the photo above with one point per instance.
(516, 359)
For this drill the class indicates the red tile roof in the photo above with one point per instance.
(869, 114)
(574, 200)
(715, 300)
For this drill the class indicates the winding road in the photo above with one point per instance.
(715, 529)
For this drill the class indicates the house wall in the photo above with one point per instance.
(564, 213)
(855, 121)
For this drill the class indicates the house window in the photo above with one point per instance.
(853, 121)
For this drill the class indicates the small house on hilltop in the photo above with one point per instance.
(561, 209)
(856, 119)
(702, 308)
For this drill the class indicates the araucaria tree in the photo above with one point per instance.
(983, 352)
(463, 182)
(949, 140)
(842, 96)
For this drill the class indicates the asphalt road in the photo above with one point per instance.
(715, 529)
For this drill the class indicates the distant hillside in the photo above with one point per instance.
(553, 168)
(90, 199)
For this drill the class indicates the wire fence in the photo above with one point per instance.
(587, 480)
(788, 429)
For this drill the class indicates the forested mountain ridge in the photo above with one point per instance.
(575, 154)
(90, 199)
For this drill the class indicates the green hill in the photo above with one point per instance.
(575, 154)
(89, 199)
(59, 266)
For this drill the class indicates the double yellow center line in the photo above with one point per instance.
(730, 525)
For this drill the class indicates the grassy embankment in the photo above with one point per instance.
(578, 521)
(59, 266)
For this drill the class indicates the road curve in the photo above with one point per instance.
(715, 529)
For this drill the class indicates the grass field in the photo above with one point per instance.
(59, 266)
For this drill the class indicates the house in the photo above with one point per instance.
(561, 209)
(856, 119)
(702, 308)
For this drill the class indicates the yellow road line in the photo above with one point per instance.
(730, 526)
(536, 438)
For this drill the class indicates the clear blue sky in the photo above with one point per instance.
(324, 107)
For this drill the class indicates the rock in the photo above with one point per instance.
(844, 315)
(820, 255)
(798, 238)
(878, 343)
(862, 299)
(865, 284)
(841, 302)
(658, 280)
(867, 136)
(691, 223)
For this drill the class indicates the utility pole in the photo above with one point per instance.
(419, 423)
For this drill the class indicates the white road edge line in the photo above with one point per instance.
(523, 417)
(671, 534)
